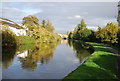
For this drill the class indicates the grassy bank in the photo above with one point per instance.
(117, 47)
(24, 40)
(100, 65)
(9, 39)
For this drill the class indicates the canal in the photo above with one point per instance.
(44, 61)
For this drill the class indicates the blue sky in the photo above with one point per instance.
(64, 15)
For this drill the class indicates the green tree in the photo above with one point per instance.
(43, 23)
(81, 32)
(99, 28)
(70, 35)
(49, 26)
(81, 25)
(84, 34)
(108, 33)
(31, 22)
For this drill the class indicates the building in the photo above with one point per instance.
(18, 29)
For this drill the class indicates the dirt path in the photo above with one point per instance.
(117, 54)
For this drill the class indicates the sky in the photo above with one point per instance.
(64, 15)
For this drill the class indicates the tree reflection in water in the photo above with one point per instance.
(7, 57)
(81, 49)
(8, 48)
(42, 53)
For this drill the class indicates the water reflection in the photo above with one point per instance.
(7, 57)
(42, 58)
(80, 51)
(43, 54)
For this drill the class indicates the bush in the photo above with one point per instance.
(82, 34)
(108, 33)
(8, 39)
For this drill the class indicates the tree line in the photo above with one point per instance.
(32, 23)
(36, 33)
(108, 34)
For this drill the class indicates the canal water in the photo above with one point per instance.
(44, 61)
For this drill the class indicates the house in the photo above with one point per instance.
(18, 29)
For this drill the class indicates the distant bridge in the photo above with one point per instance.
(4, 21)
(63, 36)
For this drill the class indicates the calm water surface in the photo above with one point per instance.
(45, 61)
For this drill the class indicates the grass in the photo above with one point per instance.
(24, 40)
(100, 65)
(117, 47)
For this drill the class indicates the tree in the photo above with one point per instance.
(70, 36)
(108, 33)
(49, 26)
(43, 23)
(84, 33)
(99, 28)
(31, 22)
(81, 25)
(80, 33)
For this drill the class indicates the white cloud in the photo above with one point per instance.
(77, 16)
(74, 17)
(92, 27)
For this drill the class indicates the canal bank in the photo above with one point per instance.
(100, 65)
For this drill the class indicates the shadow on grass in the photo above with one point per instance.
(99, 66)
(91, 71)
(103, 60)
(118, 66)
(102, 49)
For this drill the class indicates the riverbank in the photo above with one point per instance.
(100, 65)
(9, 39)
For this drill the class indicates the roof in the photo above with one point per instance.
(5, 21)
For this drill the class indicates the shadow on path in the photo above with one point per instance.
(117, 54)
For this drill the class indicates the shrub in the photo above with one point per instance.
(108, 33)
(8, 39)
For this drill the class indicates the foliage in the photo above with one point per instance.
(41, 33)
(49, 26)
(24, 40)
(30, 22)
(8, 38)
(84, 33)
(108, 33)
(81, 32)
(81, 25)
(43, 23)
(36, 33)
